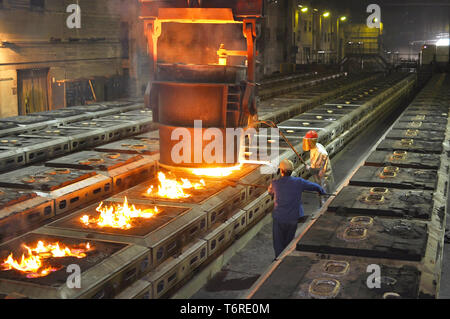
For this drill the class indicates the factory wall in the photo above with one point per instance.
(362, 40)
(319, 39)
(35, 36)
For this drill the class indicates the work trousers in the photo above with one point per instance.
(283, 233)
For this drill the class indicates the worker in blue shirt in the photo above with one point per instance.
(288, 206)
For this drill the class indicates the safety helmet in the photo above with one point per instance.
(310, 140)
(286, 165)
(312, 134)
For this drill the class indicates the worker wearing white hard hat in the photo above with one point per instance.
(288, 208)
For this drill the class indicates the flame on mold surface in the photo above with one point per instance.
(118, 216)
(34, 263)
(173, 188)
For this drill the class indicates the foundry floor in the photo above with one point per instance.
(244, 268)
(445, 275)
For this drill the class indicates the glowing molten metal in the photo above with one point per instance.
(34, 264)
(118, 216)
(215, 171)
(173, 189)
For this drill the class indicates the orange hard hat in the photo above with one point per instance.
(312, 134)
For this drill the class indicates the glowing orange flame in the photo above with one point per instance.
(118, 216)
(173, 189)
(33, 263)
(215, 171)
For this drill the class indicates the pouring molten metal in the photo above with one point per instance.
(34, 263)
(216, 171)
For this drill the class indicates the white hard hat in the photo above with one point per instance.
(286, 165)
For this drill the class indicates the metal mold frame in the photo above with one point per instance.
(163, 242)
(113, 274)
(21, 216)
(11, 159)
(47, 148)
(174, 270)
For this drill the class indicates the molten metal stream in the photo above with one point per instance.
(216, 171)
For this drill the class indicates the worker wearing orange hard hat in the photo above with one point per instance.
(288, 209)
(320, 166)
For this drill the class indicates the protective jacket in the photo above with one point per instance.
(320, 163)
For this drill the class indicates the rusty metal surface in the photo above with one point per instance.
(379, 201)
(193, 97)
(298, 273)
(380, 238)
(10, 197)
(395, 177)
(403, 159)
